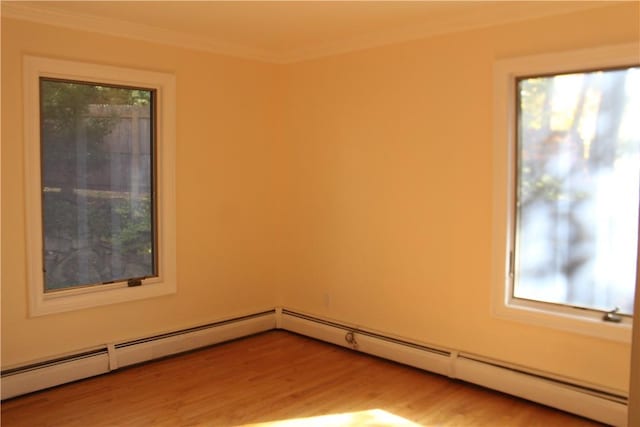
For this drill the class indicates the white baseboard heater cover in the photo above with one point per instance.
(419, 356)
(142, 350)
(38, 376)
(578, 399)
(586, 402)
(27, 379)
(598, 405)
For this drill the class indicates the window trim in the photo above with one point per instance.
(505, 73)
(41, 303)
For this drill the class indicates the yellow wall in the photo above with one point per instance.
(366, 177)
(392, 149)
(227, 183)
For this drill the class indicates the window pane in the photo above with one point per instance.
(578, 180)
(97, 148)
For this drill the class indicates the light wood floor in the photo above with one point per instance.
(275, 376)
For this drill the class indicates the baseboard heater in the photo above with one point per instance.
(590, 402)
(584, 400)
(38, 376)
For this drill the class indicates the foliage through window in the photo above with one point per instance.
(97, 163)
(577, 188)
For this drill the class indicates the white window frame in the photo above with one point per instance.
(506, 71)
(41, 303)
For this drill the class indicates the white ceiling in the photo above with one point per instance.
(283, 31)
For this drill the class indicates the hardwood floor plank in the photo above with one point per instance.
(275, 376)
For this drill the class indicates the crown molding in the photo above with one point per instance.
(411, 33)
(130, 30)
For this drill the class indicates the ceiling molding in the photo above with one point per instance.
(130, 30)
(415, 32)
(143, 32)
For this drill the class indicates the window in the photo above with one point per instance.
(566, 189)
(96, 157)
(99, 144)
(577, 176)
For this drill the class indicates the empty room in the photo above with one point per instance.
(331, 213)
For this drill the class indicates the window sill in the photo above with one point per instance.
(78, 299)
(568, 319)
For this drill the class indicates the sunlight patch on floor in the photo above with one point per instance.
(370, 418)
